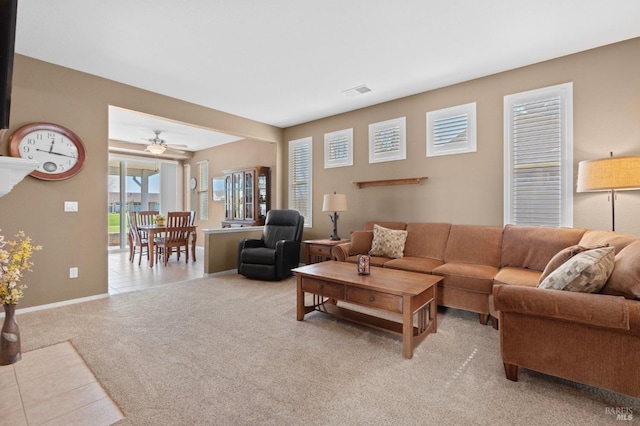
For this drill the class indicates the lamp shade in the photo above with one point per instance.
(156, 149)
(606, 174)
(334, 203)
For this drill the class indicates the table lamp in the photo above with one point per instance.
(609, 174)
(334, 203)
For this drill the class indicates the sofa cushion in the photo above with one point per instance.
(585, 272)
(562, 256)
(596, 237)
(474, 244)
(625, 278)
(517, 276)
(468, 276)
(532, 247)
(360, 242)
(426, 240)
(424, 265)
(387, 242)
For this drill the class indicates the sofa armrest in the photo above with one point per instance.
(340, 252)
(584, 308)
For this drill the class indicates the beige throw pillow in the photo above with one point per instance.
(562, 256)
(388, 242)
(585, 272)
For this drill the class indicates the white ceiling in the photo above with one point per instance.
(285, 62)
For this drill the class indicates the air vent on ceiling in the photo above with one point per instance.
(355, 91)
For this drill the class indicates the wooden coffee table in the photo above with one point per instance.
(388, 290)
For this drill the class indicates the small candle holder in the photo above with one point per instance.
(364, 264)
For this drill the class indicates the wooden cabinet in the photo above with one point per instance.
(247, 196)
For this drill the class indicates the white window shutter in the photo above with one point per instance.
(451, 130)
(203, 190)
(300, 178)
(539, 188)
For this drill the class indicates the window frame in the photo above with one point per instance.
(565, 93)
(451, 148)
(294, 144)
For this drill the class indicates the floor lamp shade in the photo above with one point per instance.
(609, 174)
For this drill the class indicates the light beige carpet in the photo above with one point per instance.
(229, 351)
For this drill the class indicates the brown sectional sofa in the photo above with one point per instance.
(494, 271)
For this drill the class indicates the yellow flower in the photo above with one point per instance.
(14, 261)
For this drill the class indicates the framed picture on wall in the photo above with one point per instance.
(217, 185)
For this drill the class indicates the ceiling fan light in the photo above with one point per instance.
(156, 149)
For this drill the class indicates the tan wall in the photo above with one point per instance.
(45, 92)
(468, 188)
(221, 249)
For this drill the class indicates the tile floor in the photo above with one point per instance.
(53, 385)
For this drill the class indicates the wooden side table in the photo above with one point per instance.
(319, 250)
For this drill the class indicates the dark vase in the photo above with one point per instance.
(10, 337)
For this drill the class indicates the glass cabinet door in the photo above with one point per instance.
(262, 195)
(248, 195)
(238, 195)
(228, 199)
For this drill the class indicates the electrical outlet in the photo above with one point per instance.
(73, 272)
(70, 206)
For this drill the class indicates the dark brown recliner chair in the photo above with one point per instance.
(278, 251)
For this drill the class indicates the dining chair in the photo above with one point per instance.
(177, 236)
(136, 239)
(147, 217)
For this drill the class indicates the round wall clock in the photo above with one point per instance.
(194, 183)
(59, 151)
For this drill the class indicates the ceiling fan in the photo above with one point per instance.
(158, 146)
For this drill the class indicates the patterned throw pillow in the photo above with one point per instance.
(562, 256)
(585, 272)
(388, 242)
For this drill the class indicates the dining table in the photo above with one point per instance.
(154, 229)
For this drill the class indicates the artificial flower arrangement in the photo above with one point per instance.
(160, 220)
(15, 258)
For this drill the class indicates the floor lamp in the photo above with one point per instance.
(609, 174)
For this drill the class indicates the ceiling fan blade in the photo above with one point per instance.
(177, 145)
(175, 149)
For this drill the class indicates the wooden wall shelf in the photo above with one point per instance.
(388, 182)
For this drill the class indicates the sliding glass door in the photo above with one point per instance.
(134, 185)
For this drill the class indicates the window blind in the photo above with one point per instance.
(450, 130)
(338, 148)
(203, 191)
(300, 177)
(537, 177)
(387, 140)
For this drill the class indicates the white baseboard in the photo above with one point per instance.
(58, 304)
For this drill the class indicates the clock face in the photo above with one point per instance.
(59, 151)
